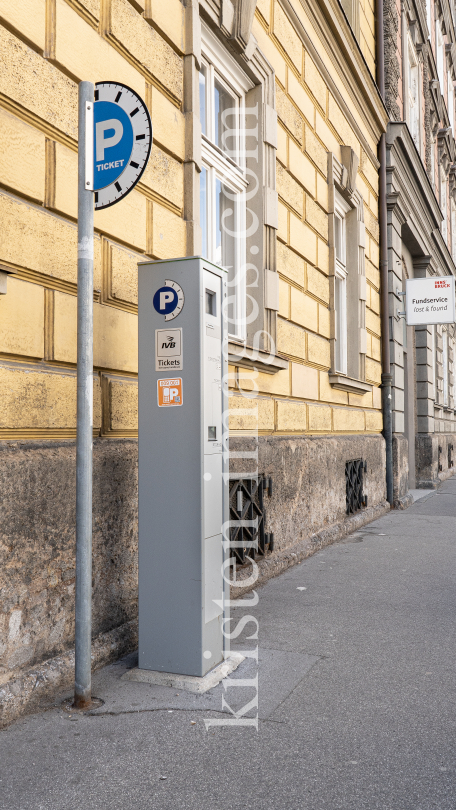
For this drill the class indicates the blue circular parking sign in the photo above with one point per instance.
(169, 300)
(122, 139)
(165, 300)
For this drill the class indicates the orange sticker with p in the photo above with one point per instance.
(169, 392)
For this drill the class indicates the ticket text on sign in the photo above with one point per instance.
(169, 392)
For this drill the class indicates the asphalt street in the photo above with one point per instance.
(356, 697)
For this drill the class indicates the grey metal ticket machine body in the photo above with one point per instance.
(183, 471)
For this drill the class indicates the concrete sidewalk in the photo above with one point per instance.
(357, 697)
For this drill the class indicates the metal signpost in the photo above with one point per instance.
(430, 300)
(115, 138)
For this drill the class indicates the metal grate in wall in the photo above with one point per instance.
(248, 535)
(354, 484)
(440, 458)
(450, 456)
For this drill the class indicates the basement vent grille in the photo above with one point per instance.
(440, 458)
(248, 537)
(450, 456)
(354, 483)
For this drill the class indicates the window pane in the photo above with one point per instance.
(445, 367)
(435, 363)
(225, 227)
(341, 324)
(202, 92)
(433, 374)
(450, 100)
(225, 244)
(226, 124)
(338, 238)
(443, 202)
(203, 212)
(337, 318)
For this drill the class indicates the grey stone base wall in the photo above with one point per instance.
(37, 547)
(429, 460)
(37, 542)
(35, 688)
(400, 469)
(309, 479)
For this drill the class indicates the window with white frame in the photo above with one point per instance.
(429, 5)
(223, 181)
(351, 8)
(413, 97)
(341, 209)
(445, 368)
(450, 100)
(453, 229)
(440, 53)
(443, 203)
(435, 364)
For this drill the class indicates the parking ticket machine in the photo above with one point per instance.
(183, 464)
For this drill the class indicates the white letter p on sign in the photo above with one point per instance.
(102, 142)
(165, 298)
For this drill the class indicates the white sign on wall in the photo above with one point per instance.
(430, 300)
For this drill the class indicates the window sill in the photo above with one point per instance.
(344, 383)
(239, 355)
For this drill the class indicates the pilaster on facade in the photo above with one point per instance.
(192, 158)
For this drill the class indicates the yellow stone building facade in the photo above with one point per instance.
(312, 387)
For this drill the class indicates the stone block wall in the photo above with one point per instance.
(37, 547)
(431, 463)
(400, 467)
(44, 56)
(313, 121)
(308, 474)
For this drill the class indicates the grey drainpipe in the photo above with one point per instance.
(382, 211)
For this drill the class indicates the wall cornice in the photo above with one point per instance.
(411, 196)
(409, 164)
(446, 262)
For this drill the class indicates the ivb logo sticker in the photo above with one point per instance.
(168, 349)
(169, 300)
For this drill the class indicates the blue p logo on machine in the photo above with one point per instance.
(122, 139)
(169, 300)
